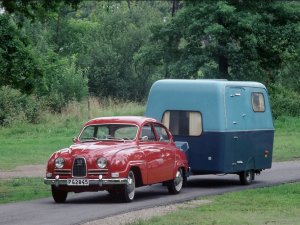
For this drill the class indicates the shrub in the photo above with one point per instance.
(62, 83)
(15, 106)
(284, 102)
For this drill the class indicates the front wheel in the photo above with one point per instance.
(175, 185)
(246, 177)
(59, 196)
(128, 190)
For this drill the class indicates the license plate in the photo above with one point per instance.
(78, 182)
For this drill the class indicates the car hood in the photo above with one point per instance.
(96, 149)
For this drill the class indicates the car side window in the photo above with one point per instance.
(88, 133)
(147, 133)
(162, 134)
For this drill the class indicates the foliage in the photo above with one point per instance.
(18, 67)
(110, 58)
(65, 50)
(17, 106)
(235, 40)
(62, 84)
(284, 101)
(34, 9)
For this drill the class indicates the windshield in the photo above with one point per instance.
(109, 132)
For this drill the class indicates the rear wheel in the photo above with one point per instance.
(59, 196)
(175, 185)
(128, 190)
(246, 177)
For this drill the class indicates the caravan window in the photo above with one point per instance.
(258, 102)
(186, 123)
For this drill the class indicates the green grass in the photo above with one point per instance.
(287, 139)
(23, 189)
(27, 144)
(32, 144)
(274, 205)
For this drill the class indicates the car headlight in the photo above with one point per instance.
(102, 162)
(59, 163)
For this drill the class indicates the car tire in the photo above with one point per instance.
(59, 196)
(246, 177)
(175, 186)
(128, 190)
(114, 192)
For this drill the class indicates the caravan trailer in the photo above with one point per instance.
(227, 125)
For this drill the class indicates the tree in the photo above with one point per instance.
(33, 9)
(18, 66)
(119, 33)
(227, 39)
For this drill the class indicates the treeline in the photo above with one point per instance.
(54, 52)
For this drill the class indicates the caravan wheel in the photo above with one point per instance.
(246, 177)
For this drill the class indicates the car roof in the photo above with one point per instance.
(137, 120)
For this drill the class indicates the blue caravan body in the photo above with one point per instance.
(228, 124)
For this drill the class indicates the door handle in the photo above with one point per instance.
(236, 137)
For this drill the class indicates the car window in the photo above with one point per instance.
(161, 133)
(102, 132)
(126, 132)
(147, 133)
(94, 132)
(109, 132)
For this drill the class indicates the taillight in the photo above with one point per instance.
(266, 153)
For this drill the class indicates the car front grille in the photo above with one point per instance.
(79, 167)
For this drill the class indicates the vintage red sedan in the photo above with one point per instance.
(117, 154)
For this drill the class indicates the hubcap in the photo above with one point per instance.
(248, 176)
(131, 185)
(178, 180)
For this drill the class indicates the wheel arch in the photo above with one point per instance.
(138, 175)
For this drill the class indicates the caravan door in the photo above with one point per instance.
(236, 113)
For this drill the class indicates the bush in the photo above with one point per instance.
(15, 106)
(62, 83)
(284, 102)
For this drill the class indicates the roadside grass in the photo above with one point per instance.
(22, 189)
(27, 144)
(272, 205)
(287, 139)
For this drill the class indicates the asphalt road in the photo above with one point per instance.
(84, 207)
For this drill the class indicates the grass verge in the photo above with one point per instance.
(286, 140)
(27, 144)
(22, 189)
(273, 205)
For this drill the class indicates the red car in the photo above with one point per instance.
(117, 154)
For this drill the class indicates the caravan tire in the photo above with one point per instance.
(246, 177)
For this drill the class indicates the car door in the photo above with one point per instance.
(167, 150)
(153, 152)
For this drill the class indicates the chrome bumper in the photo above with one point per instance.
(92, 182)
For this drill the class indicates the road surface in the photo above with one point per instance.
(84, 207)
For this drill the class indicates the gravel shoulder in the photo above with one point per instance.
(145, 214)
(24, 171)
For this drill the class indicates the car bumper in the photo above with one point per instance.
(92, 182)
